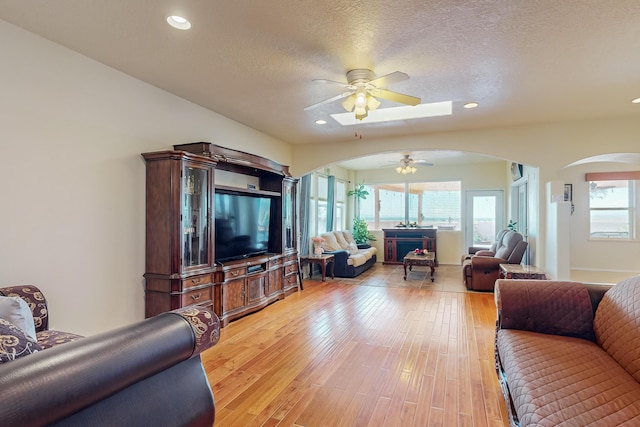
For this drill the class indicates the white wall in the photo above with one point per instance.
(558, 247)
(589, 255)
(72, 178)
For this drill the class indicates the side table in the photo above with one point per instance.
(519, 271)
(322, 260)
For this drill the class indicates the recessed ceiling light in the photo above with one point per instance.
(636, 101)
(178, 22)
(471, 105)
(321, 122)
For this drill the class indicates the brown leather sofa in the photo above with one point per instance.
(481, 267)
(568, 353)
(147, 373)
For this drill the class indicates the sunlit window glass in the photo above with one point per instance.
(610, 205)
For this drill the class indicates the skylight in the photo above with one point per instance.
(408, 112)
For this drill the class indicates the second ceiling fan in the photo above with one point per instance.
(363, 89)
(408, 165)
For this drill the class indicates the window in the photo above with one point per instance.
(318, 204)
(611, 209)
(391, 202)
(439, 204)
(435, 204)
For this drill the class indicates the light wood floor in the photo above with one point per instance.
(371, 351)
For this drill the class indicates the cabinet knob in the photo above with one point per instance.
(196, 281)
(235, 273)
(196, 297)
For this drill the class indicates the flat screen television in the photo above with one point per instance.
(242, 224)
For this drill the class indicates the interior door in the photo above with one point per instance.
(484, 216)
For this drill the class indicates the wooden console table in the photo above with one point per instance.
(322, 260)
(427, 260)
(519, 271)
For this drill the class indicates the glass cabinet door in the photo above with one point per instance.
(195, 216)
(288, 214)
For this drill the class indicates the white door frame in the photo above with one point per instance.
(468, 212)
(520, 211)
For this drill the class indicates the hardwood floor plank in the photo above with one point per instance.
(424, 401)
(380, 412)
(341, 353)
(417, 372)
(350, 417)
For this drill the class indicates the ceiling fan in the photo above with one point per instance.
(363, 89)
(408, 165)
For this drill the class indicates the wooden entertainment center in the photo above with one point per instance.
(181, 267)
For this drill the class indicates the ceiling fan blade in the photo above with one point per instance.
(423, 162)
(395, 96)
(334, 83)
(349, 103)
(386, 80)
(327, 101)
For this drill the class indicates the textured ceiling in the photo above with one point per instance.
(524, 61)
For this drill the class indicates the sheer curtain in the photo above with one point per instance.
(305, 190)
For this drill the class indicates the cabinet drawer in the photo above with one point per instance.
(195, 281)
(291, 280)
(202, 296)
(234, 273)
(274, 263)
(292, 257)
(291, 268)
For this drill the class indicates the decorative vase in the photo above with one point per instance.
(317, 250)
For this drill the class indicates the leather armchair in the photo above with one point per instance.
(481, 270)
(146, 373)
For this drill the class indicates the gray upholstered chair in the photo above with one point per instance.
(481, 269)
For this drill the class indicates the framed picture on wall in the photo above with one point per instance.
(568, 192)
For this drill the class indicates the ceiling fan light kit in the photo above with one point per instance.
(407, 165)
(363, 90)
(404, 170)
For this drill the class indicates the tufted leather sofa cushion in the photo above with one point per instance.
(563, 381)
(617, 324)
(548, 307)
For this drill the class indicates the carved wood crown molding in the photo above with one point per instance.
(234, 157)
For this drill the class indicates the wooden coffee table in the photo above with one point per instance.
(427, 260)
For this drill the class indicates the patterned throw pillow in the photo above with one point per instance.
(14, 343)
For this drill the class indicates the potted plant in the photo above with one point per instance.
(358, 192)
(360, 232)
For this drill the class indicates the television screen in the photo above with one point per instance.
(242, 225)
